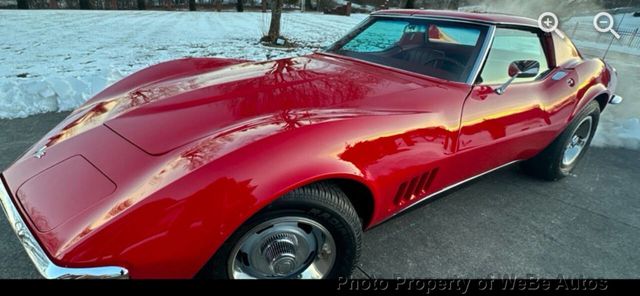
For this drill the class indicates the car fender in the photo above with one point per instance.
(591, 94)
(203, 192)
(242, 195)
(598, 83)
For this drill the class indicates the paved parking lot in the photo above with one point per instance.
(587, 225)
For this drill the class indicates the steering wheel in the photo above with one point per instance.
(455, 63)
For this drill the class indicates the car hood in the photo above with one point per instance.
(168, 113)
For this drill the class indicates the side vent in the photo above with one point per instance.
(417, 187)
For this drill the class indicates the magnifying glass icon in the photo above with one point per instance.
(548, 22)
(603, 22)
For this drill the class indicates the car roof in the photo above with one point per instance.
(490, 18)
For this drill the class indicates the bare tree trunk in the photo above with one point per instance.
(142, 5)
(85, 4)
(239, 6)
(274, 27)
(23, 4)
(192, 5)
(264, 5)
(407, 4)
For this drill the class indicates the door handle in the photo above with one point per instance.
(571, 82)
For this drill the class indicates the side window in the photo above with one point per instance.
(378, 37)
(511, 45)
(565, 50)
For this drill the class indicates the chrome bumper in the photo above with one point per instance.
(47, 268)
(615, 100)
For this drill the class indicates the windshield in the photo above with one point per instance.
(442, 49)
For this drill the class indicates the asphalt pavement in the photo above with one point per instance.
(505, 223)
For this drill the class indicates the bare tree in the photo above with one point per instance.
(192, 5)
(274, 27)
(23, 4)
(142, 5)
(407, 4)
(85, 4)
(239, 6)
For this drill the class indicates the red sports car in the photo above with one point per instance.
(227, 168)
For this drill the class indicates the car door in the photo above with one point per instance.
(499, 128)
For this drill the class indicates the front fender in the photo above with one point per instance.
(184, 209)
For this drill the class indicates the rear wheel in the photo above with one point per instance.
(563, 154)
(310, 233)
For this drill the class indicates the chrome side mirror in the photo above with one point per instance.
(520, 69)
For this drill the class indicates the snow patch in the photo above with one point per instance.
(622, 134)
(54, 60)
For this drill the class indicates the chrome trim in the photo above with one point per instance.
(576, 146)
(280, 249)
(615, 100)
(45, 266)
(450, 187)
(482, 56)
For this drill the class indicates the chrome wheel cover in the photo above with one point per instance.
(283, 248)
(578, 142)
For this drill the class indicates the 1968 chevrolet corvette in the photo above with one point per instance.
(227, 168)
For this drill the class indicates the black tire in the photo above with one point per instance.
(323, 203)
(549, 165)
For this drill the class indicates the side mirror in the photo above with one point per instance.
(520, 69)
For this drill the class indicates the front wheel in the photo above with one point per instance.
(310, 233)
(563, 154)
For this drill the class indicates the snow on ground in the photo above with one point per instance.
(53, 60)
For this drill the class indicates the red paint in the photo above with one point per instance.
(192, 148)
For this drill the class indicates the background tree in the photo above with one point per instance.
(239, 6)
(407, 3)
(192, 5)
(142, 5)
(23, 4)
(274, 27)
(85, 4)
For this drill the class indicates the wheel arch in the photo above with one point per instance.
(357, 190)
(603, 100)
(355, 187)
(598, 92)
